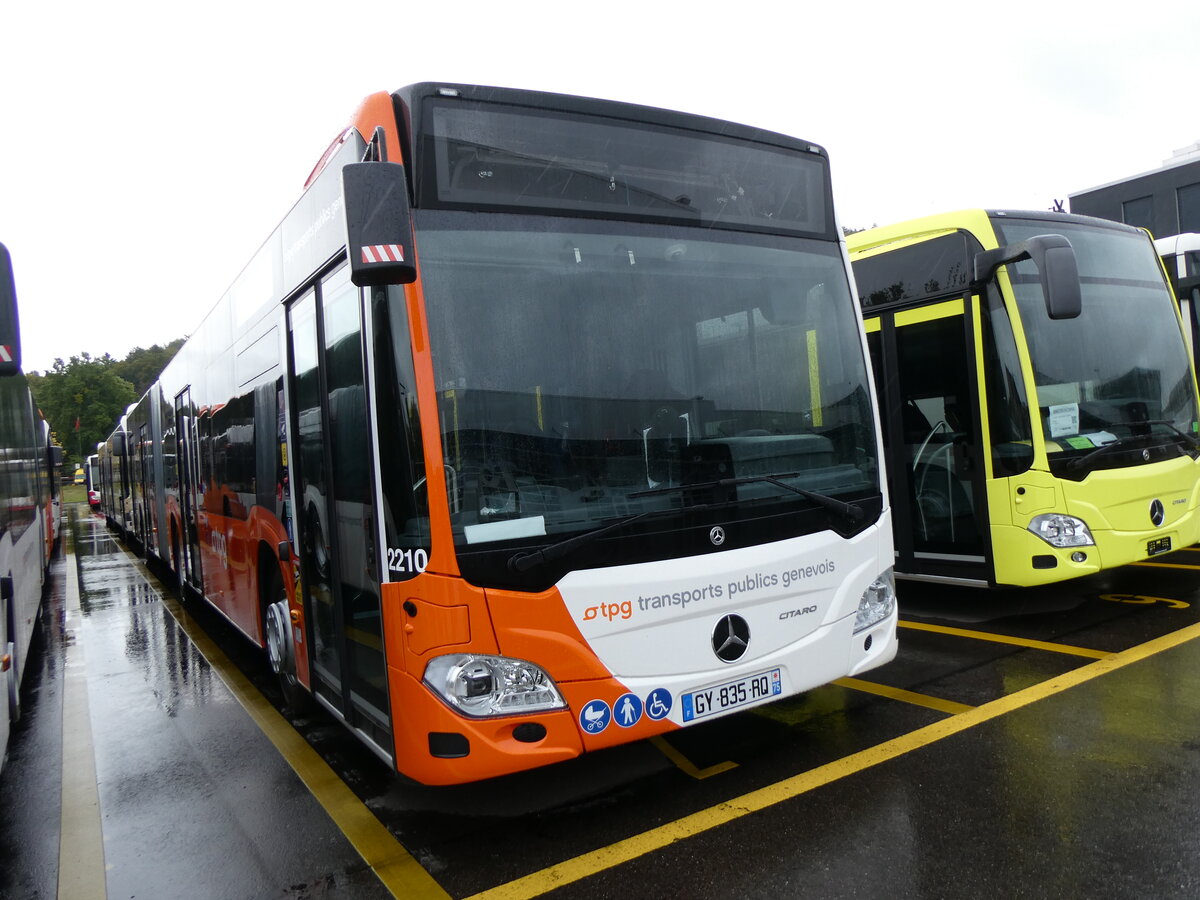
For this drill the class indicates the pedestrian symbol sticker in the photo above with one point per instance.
(594, 717)
(628, 710)
(658, 703)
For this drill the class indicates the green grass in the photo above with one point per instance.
(74, 493)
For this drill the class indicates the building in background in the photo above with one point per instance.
(1166, 200)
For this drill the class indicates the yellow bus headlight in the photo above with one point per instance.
(1061, 531)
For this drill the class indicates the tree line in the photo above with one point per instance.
(83, 397)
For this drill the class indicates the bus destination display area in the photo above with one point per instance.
(1042, 739)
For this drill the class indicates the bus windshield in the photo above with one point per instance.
(584, 373)
(1108, 378)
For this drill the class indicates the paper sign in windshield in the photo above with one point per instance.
(1064, 419)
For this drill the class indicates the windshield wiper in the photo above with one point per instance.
(849, 513)
(523, 562)
(1188, 439)
(1080, 461)
(1123, 442)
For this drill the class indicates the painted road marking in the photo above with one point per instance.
(1141, 600)
(685, 764)
(572, 870)
(1006, 639)
(1164, 565)
(81, 837)
(893, 693)
(396, 868)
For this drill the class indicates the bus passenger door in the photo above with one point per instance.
(142, 493)
(333, 510)
(188, 462)
(924, 361)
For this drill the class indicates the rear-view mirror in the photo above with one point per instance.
(1058, 271)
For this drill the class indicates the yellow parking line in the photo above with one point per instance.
(1007, 639)
(396, 868)
(894, 693)
(685, 764)
(1164, 565)
(572, 870)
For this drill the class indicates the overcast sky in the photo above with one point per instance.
(147, 149)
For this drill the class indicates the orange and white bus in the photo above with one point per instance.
(539, 425)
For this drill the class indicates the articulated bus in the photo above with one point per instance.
(1041, 407)
(113, 461)
(29, 506)
(1180, 255)
(500, 447)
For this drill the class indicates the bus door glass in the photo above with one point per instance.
(142, 508)
(189, 469)
(333, 512)
(932, 437)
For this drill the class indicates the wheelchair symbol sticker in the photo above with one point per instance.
(658, 703)
(595, 716)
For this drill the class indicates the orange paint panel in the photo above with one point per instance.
(379, 110)
(493, 749)
(432, 626)
(538, 628)
(450, 615)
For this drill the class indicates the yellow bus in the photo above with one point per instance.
(1038, 400)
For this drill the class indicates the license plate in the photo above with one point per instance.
(731, 694)
(1157, 546)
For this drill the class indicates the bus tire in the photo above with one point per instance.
(281, 652)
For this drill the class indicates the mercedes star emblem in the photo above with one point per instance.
(730, 638)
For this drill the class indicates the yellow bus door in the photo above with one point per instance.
(925, 374)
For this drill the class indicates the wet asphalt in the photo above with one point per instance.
(1085, 787)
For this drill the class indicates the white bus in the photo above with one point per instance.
(29, 507)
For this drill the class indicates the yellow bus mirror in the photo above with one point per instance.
(1058, 271)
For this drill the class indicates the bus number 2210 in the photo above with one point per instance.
(407, 560)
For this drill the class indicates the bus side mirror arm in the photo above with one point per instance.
(1055, 260)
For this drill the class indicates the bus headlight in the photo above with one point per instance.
(478, 685)
(1059, 530)
(877, 602)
